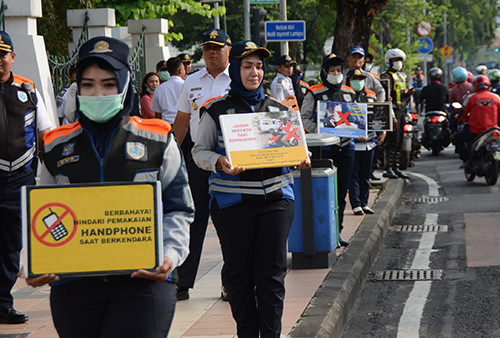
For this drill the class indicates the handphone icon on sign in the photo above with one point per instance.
(59, 231)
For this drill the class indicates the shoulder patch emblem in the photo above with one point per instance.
(272, 109)
(22, 96)
(68, 149)
(347, 98)
(231, 111)
(135, 151)
(325, 97)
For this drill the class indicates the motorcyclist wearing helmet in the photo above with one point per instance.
(400, 96)
(482, 111)
(435, 94)
(494, 76)
(331, 89)
(458, 93)
(482, 70)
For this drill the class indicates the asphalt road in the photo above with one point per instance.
(464, 298)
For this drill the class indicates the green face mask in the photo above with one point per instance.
(357, 85)
(100, 109)
(164, 75)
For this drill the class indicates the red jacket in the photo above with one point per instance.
(482, 111)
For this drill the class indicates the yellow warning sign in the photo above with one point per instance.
(446, 51)
(91, 229)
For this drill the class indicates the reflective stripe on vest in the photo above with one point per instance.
(398, 86)
(251, 187)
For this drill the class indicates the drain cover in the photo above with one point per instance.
(420, 228)
(408, 275)
(429, 199)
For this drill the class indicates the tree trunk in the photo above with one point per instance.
(354, 23)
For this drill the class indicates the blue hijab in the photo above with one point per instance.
(251, 96)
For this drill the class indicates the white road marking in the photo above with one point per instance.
(409, 323)
(433, 186)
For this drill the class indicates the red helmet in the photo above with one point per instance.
(481, 82)
(470, 78)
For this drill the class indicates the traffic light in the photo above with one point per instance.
(259, 26)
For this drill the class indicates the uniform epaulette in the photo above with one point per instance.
(348, 89)
(317, 87)
(156, 126)
(370, 92)
(61, 131)
(193, 71)
(19, 80)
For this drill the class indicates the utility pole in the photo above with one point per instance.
(445, 31)
(246, 18)
(283, 17)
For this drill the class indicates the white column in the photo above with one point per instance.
(101, 21)
(31, 56)
(154, 40)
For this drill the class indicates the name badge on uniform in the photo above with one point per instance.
(135, 151)
(347, 98)
(22, 96)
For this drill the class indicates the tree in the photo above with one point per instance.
(354, 23)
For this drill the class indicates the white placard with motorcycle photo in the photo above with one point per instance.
(264, 140)
(379, 116)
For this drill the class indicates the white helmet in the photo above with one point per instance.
(481, 69)
(394, 53)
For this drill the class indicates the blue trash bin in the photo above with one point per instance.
(324, 206)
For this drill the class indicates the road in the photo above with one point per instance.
(457, 256)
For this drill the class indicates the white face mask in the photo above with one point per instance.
(397, 65)
(368, 66)
(334, 79)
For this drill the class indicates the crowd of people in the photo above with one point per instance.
(175, 118)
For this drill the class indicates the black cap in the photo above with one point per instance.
(355, 73)
(113, 51)
(332, 59)
(185, 58)
(161, 65)
(285, 60)
(6, 42)
(243, 48)
(216, 36)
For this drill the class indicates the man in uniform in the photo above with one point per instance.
(23, 112)
(186, 61)
(162, 70)
(166, 95)
(400, 95)
(64, 95)
(356, 60)
(201, 85)
(282, 85)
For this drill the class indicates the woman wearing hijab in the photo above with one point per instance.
(251, 209)
(104, 143)
(331, 89)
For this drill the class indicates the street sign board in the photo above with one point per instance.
(425, 57)
(424, 28)
(263, 2)
(425, 45)
(446, 51)
(285, 30)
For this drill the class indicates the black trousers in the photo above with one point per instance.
(118, 306)
(198, 182)
(10, 233)
(359, 187)
(253, 238)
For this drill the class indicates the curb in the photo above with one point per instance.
(329, 309)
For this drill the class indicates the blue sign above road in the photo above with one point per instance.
(425, 45)
(285, 30)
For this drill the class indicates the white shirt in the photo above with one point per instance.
(166, 96)
(198, 88)
(67, 107)
(42, 116)
(281, 87)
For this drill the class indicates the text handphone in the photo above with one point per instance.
(59, 231)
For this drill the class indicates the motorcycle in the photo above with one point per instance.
(410, 149)
(436, 134)
(485, 154)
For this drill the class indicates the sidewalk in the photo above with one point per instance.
(205, 314)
